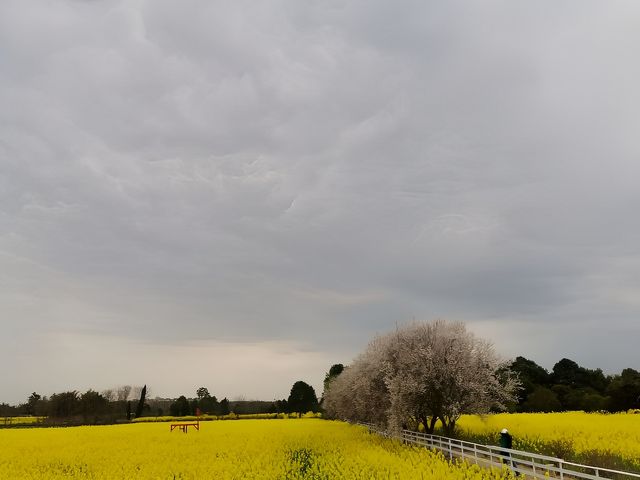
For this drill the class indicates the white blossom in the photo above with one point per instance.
(421, 373)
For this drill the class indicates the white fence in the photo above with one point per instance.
(528, 465)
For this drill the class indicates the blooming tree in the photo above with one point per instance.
(422, 373)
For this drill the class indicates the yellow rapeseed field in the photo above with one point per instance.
(594, 438)
(8, 421)
(247, 449)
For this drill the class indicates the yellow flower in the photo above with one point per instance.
(252, 449)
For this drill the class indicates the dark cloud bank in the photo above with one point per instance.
(238, 194)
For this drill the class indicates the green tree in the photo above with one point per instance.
(563, 393)
(531, 375)
(202, 392)
(542, 399)
(594, 402)
(65, 404)
(567, 372)
(302, 398)
(282, 406)
(140, 407)
(335, 370)
(209, 405)
(180, 407)
(624, 391)
(224, 407)
(596, 380)
(92, 406)
(32, 403)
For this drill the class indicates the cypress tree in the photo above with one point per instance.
(143, 394)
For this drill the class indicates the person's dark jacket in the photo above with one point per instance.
(505, 440)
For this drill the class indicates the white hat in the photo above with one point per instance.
(504, 430)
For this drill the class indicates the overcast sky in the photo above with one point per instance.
(240, 194)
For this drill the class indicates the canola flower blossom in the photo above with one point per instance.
(603, 439)
(251, 449)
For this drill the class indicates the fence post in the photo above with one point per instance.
(450, 451)
(561, 470)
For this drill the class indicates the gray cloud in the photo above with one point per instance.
(301, 176)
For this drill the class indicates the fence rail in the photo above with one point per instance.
(526, 464)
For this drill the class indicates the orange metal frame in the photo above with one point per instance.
(184, 427)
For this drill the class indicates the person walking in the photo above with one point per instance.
(506, 441)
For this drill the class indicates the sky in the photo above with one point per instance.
(240, 194)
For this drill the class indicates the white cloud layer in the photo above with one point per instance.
(285, 175)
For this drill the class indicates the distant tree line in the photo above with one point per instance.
(91, 407)
(126, 402)
(571, 387)
(302, 399)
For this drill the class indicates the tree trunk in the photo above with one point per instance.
(429, 423)
(448, 425)
(432, 424)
